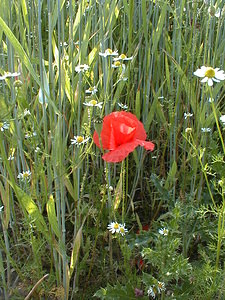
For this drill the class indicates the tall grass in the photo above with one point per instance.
(55, 221)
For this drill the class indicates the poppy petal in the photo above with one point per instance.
(96, 139)
(118, 128)
(120, 152)
(140, 132)
(147, 145)
(108, 133)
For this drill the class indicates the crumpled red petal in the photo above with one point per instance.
(147, 145)
(118, 128)
(121, 133)
(121, 152)
(96, 139)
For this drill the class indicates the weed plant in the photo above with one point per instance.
(74, 226)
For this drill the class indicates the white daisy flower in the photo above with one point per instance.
(114, 227)
(92, 90)
(209, 74)
(94, 103)
(123, 57)
(25, 176)
(37, 149)
(26, 112)
(122, 229)
(79, 140)
(161, 287)
(205, 129)
(163, 231)
(152, 292)
(123, 106)
(222, 119)
(30, 134)
(4, 126)
(81, 68)
(8, 74)
(11, 157)
(116, 64)
(187, 115)
(211, 100)
(108, 52)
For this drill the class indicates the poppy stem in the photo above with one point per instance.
(123, 189)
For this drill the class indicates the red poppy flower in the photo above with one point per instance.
(121, 133)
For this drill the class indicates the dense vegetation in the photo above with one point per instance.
(77, 223)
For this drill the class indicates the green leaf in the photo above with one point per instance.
(138, 105)
(19, 49)
(4, 193)
(159, 28)
(171, 175)
(42, 98)
(75, 252)
(50, 206)
(29, 205)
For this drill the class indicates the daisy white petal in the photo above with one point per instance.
(25, 176)
(122, 229)
(200, 72)
(81, 68)
(8, 75)
(4, 126)
(92, 90)
(220, 75)
(209, 74)
(123, 57)
(210, 82)
(114, 227)
(204, 80)
(116, 64)
(79, 140)
(152, 292)
(160, 287)
(205, 129)
(222, 119)
(108, 52)
(94, 103)
(163, 231)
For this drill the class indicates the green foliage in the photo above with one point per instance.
(55, 220)
(116, 292)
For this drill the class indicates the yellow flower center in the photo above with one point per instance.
(117, 63)
(116, 226)
(160, 285)
(93, 102)
(1, 124)
(210, 72)
(123, 56)
(25, 175)
(109, 51)
(122, 230)
(80, 139)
